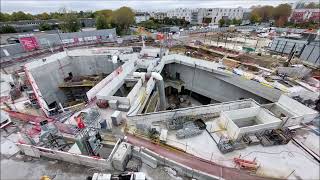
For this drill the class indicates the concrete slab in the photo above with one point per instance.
(8, 148)
(275, 161)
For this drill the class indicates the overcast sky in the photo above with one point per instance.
(38, 6)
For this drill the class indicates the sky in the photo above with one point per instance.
(39, 6)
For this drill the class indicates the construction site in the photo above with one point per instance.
(194, 106)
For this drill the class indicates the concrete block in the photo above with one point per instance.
(121, 156)
(123, 107)
(149, 160)
(113, 104)
(116, 118)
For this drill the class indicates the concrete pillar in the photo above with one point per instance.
(160, 87)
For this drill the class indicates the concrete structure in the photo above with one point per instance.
(77, 62)
(51, 40)
(209, 79)
(249, 120)
(4, 119)
(121, 156)
(291, 112)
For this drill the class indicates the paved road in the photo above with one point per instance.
(194, 162)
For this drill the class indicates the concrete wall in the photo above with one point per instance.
(35, 151)
(117, 80)
(266, 121)
(211, 110)
(50, 75)
(207, 84)
(52, 40)
(298, 109)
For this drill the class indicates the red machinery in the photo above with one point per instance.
(246, 164)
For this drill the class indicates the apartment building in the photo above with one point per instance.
(183, 13)
(305, 15)
(205, 15)
(142, 16)
(158, 15)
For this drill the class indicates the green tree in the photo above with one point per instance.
(56, 15)
(221, 22)
(17, 16)
(228, 22)
(4, 17)
(70, 22)
(101, 22)
(255, 18)
(122, 18)
(45, 27)
(7, 29)
(43, 16)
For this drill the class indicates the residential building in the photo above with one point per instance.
(158, 15)
(305, 15)
(142, 16)
(207, 15)
(183, 13)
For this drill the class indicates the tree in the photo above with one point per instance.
(101, 22)
(43, 16)
(265, 12)
(207, 20)
(107, 13)
(7, 29)
(122, 18)
(281, 13)
(255, 18)
(228, 22)
(45, 27)
(70, 22)
(221, 22)
(4, 17)
(17, 16)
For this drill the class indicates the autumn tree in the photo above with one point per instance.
(281, 13)
(264, 12)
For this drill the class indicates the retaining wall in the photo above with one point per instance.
(65, 156)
